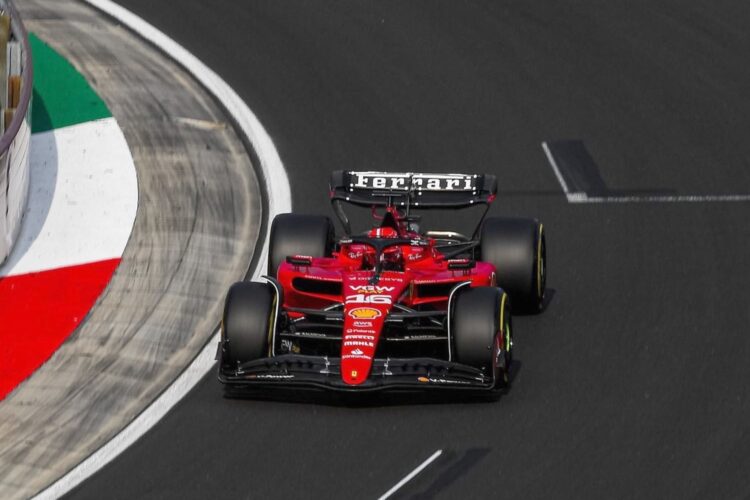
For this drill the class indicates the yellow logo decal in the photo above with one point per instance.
(364, 313)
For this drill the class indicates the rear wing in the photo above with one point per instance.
(412, 190)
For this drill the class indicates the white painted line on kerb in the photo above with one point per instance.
(279, 201)
(83, 199)
(580, 197)
(411, 475)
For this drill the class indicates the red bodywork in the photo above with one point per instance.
(369, 295)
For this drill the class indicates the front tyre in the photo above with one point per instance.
(481, 327)
(248, 322)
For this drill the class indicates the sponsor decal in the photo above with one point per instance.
(362, 343)
(354, 373)
(365, 313)
(360, 277)
(435, 282)
(368, 331)
(369, 180)
(360, 337)
(357, 352)
(420, 182)
(356, 356)
(310, 334)
(321, 278)
(385, 278)
(271, 376)
(450, 182)
(371, 288)
(431, 380)
(367, 324)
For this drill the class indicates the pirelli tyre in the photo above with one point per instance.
(518, 249)
(295, 234)
(481, 330)
(248, 322)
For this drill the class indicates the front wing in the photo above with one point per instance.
(320, 372)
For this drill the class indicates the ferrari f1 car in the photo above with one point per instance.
(394, 307)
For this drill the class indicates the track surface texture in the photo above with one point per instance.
(197, 222)
(634, 382)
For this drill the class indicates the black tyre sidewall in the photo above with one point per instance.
(248, 318)
(513, 246)
(475, 327)
(295, 234)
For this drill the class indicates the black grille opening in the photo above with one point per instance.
(317, 286)
(435, 289)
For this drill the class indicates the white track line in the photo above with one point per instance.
(718, 198)
(580, 197)
(279, 201)
(411, 475)
(558, 174)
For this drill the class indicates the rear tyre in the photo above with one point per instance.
(294, 234)
(518, 250)
(248, 322)
(481, 329)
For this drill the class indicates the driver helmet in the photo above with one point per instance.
(383, 232)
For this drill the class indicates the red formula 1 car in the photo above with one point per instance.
(389, 308)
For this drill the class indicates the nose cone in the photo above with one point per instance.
(362, 326)
(355, 367)
(365, 308)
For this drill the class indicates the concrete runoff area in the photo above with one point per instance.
(197, 224)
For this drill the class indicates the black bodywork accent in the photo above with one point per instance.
(324, 373)
(410, 192)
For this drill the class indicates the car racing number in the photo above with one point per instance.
(362, 298)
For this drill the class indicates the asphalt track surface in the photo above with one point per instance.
(634, 382)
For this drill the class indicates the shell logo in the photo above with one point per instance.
(364, 313)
